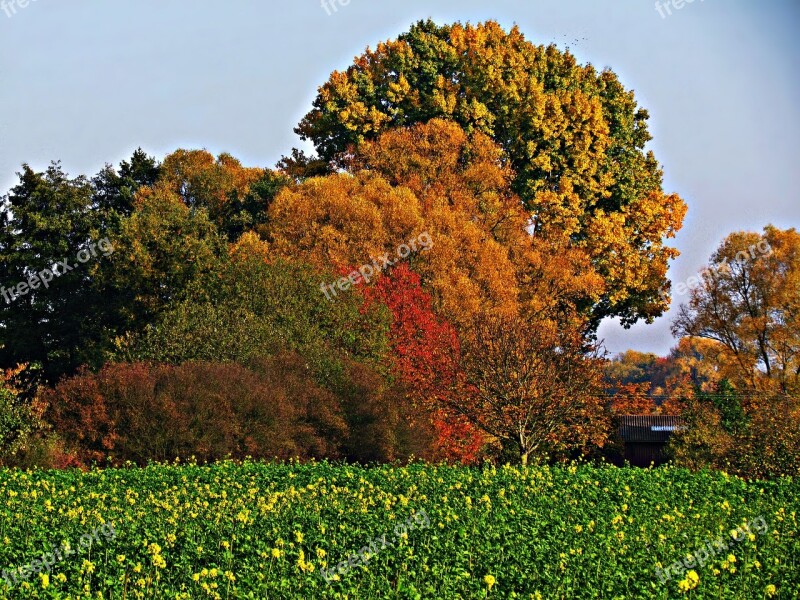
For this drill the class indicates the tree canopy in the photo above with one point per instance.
(574, 138)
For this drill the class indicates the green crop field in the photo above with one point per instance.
(281, 531)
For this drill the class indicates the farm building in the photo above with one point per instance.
(645, 437)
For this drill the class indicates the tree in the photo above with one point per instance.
(163, 247)
(46, 219)
(424, 356)
(416, 181)
(530, 385)
(749, 303)
(248, 308)
(50, 218)
(115, 189)
(574, 138)
(631, 367)
(236, 197)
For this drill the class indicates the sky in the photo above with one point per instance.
(86, 82)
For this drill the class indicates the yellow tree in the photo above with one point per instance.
(456, 187)
(749, 303)
(574, 138)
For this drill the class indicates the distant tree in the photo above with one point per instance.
(633, 399)
(749, 302)
(115, 189)
(631, 367)
(236, 198)
(299, 166)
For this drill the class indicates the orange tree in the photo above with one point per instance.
(529, 384)
(749, 304)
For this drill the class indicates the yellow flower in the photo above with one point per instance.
(276, 553)
(489, 581)
(770, 590)
(578, 528)
(45, 580)
(693, 577)
(731, 558)
(196, 577)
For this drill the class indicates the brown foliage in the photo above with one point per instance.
(530, 385)
(273, 408)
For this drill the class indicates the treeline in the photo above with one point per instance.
(207, 326)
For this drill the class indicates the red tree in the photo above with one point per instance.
(426, 359)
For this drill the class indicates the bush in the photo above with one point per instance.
(273, 408)
(762, 441)
(19, 419)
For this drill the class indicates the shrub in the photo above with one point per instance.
(272, 408)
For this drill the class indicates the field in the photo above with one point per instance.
(329, 531)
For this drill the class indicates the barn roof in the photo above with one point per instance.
(653, 428)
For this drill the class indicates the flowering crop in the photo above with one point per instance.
(259, 530)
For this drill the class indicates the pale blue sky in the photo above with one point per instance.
(87, 81)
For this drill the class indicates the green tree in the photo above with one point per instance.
(46, 219)
(163, 247)
(249, 309)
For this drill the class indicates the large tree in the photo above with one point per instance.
(575, 139)
(749, 302)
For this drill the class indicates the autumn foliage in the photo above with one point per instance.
(271, 409)
(208, 331)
